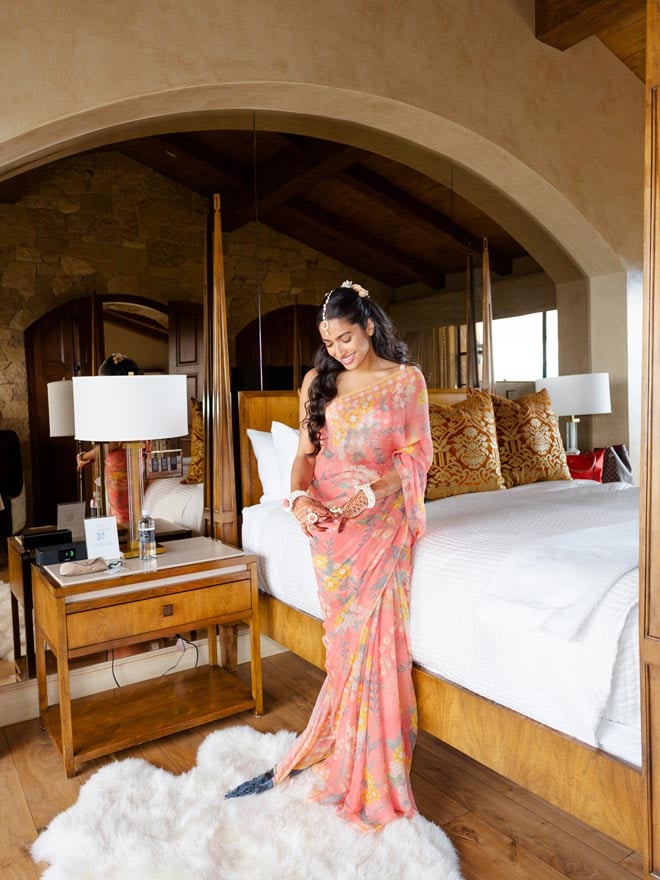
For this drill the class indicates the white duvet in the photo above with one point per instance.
(576, 684)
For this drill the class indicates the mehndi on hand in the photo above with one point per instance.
(311, 514)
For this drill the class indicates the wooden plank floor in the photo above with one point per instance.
(501, 832)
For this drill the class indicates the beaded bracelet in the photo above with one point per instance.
(289, 499)
(368, 494)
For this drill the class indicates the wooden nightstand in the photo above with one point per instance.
(20, 561)
(198, 584)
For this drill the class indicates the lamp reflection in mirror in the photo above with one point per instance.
(583, 394)
(130, 410)
(60, 408)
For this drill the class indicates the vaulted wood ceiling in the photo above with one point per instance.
(620, 24)
(379, 217)
(373, 214)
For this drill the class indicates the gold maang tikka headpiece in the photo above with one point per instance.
(361, 292)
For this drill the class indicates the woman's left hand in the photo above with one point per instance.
(355, 505)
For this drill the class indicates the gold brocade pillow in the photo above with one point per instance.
(196, 467)
(529, 440)
(465, 454)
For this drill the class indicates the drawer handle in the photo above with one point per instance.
(168, 610)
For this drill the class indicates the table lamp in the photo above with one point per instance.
(130, 410)
(60, 408)
(583, 394)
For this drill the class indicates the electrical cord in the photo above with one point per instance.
(179, 638)
(186, 642)
(113, 668)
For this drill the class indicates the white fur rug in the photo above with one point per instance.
(136, 822)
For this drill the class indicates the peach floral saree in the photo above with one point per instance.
(362, 731)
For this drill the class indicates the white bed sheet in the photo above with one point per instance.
(181, 503)
(587, 688)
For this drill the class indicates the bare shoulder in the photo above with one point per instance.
(309, 377)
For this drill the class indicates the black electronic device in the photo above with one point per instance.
(35, 538)
(68, 552)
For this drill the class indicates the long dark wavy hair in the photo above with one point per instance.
(345, 303)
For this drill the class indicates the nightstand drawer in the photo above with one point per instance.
(178, 610)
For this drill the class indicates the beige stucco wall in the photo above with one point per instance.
(574, 119)
(549, 143)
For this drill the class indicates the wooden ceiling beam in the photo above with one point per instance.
(351, 237)
(286, 175)
(563, 23)
(413, 210)
(224, 171)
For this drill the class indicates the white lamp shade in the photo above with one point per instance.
(60, 408)
(584, 394)
(124, 408)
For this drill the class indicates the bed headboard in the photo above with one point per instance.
(259, 409)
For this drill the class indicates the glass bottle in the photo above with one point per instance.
(147, 536)
(95, 508)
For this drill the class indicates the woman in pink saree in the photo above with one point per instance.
(357, 486)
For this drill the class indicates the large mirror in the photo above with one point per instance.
(119, 235)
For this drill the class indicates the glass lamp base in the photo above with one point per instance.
(572, 437)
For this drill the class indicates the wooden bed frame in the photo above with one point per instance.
(591, 785)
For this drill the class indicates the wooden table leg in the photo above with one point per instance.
(229, 645)
(42, 683)
(64, 684)
(255, 670)
(15, 628)
(212, 637)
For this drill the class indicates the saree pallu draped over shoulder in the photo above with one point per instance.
(362, 731)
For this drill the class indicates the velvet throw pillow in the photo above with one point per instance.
(531, 449)
(196, 467)
(465, 453)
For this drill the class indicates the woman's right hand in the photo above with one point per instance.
(81, 461)
(311, 514)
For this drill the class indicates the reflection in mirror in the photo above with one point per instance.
(138, 330)
(301, 212)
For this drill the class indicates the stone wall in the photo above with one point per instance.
(289, 271)
(99, 222)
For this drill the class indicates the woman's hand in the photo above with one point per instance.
(311, 514)
(356, 504)
(81, 461)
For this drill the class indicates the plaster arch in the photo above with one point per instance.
(581, 262)
(545, 222)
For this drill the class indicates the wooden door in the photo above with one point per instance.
(650, 507)
(186, 345)
(57, 346)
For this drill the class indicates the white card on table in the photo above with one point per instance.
(102, 538)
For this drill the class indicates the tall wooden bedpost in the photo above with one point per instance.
(650, 506)
(220, 492)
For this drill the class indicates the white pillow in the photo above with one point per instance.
(286, 446)
(267, 464)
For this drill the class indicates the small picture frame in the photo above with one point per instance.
(164, 463)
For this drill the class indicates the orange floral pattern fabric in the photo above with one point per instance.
(115, 475)
(362, 731)
(531, 449)
(196, 467)
(465, 452)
